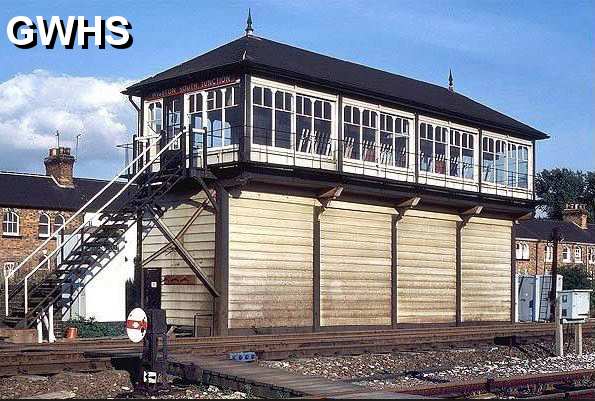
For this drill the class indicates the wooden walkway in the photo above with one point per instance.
(264, 382)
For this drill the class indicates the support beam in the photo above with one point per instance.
(138, 263)
(405, 205)
(316, 269)
(459, 274)
(513, 287)
(394, 271)
(332, 194)
(184, 254)
(221, 274)
(469, 213)
(180, 234)
(207, 191)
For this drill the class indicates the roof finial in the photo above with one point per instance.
(249, 28)
(451, 86)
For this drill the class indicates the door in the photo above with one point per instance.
(526, 301)
(152, 290)
(173, 125)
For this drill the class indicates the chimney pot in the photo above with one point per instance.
(59, 164)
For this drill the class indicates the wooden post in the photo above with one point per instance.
(559, 346)
(556, 237)
(394, 271)
(221, 310)
(316, 269)
(513, 278)
(459, 268)
(340, 135)
(139, 287)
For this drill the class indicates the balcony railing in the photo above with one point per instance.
(387, 160)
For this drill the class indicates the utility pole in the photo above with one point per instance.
(556, 238)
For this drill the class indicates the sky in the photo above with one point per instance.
(531, 60)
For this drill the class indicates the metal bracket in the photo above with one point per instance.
(469, 213)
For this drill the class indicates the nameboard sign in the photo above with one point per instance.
(194, 87)
(179, 279)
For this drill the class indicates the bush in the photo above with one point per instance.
(90, 328)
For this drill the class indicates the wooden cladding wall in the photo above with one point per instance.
(182, 302)
(426, 258)
(485, 270)
(270, 261)
(355, 268)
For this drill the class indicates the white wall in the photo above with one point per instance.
(104, 298)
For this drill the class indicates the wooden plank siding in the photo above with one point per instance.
(270, 261)
(355, 268)
(182, 302)
(426, 258)
(486, 267)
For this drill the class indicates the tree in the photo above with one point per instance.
(557, 187)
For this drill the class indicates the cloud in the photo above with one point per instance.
(34, 105)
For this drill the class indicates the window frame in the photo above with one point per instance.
(591, 256)
(47, 225)
(522, 251)
(507, 143)
(10, 266)
(549, 254)
(16, 222)
(578, 254)
(294, 91)
(448, 131)
(566, 254)
(55, 224)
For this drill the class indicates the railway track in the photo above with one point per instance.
(279, 346)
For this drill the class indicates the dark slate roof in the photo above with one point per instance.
(36, 191)
(256, 52)
(541, 229)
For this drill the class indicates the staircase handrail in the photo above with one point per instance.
(83, 208)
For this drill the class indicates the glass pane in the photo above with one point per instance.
(233, 125)
(468, 169)
(455, 158)
(488, 167)
(501, 163)
(356, 116)
(322, 134)
(279, 100)
(263, 124)
(427, 155)
(327, 110)
(288, 97)
(304, 134)
(347, 114)
(369, 144)
(440, 162)
(386, 145)
(282, 129)
(257, 95)
(318, 108)
(351, 141)
(401, 151)
(268, 97)
(215, 129)
(523, 167)
(307, 106)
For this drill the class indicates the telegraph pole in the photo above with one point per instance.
(556, 238)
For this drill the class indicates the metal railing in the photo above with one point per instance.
(78, 214)
(383, 160)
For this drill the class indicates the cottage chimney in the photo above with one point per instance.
(59, 164)
(576, 213)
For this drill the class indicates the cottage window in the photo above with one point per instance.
(592, 255)
(549, 253)
(566, 255)
(58, 222)
(578, 255)
(10, 224)
(8, 268)
(522, 251)
(44, 225)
